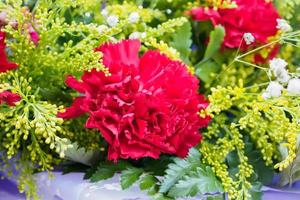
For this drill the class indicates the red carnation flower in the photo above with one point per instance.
(147, 106)
(257, 17)
(9, 98)
(5, 65)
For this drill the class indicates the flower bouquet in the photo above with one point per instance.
(176, 98)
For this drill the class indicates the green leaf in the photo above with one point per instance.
(215, 41)
(74, 167)
(182, 41)
(202, 181)
(255, 191)
(157, 166)
(130, 176)
(107, 170)
(90, 172)
(160, 196)
(205, 70)
(148, 181)
(264, 173)
(215, 197)
(207, 66)
(153, 191)
(232, 159)
(179, 169)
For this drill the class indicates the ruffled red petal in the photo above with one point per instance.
(74, 110)
(257, 17)
(120, 54)
(9, 98)
(5, 65)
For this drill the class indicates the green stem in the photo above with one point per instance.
(250, 64)
(259, 48)
(257, 85)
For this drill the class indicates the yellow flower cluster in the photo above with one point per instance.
(32, 128)
(34, 120)
(166, 27)
(216, 4)
(71, 57)
(222, 99)
(215, 155)
(221, 3)
(269, 123)
(164, 48)
(126, 8)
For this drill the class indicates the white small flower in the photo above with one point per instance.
(137, 35)
(112, 20)
(101, 28)
(134, 17)
(168, 11)
(278, 68)
(249, 38)
(274, 89)
(294, 86)
(87, 14)
(143, 35)
(104, 13)
(284, 77)
(283, 25)
(266, 95)
(278, 64)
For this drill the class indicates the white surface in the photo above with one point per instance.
(72, 187)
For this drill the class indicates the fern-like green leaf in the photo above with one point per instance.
(107, 170)
(179, 169)
(202, 181)
(148, 181)
(130, 176)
